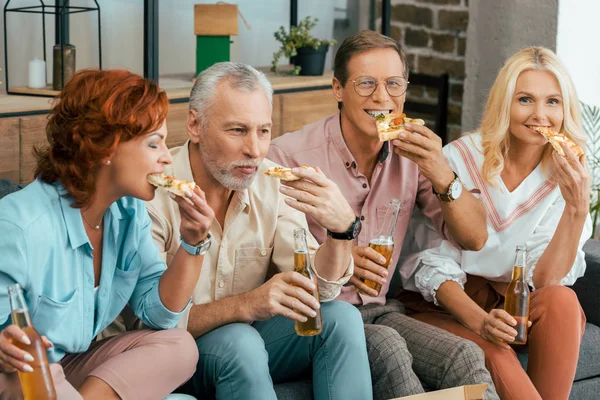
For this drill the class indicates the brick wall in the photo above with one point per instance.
(433, 34)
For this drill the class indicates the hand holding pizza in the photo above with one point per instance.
(573, 177)
(420, 145)
(196, 215)
(319, 197)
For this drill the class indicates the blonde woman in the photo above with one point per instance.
(533, 197)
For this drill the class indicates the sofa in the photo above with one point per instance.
(586, 385)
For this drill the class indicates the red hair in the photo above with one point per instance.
(94, 112)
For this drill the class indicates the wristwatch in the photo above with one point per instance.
(200, 249)
(454, 190)
(350, 234)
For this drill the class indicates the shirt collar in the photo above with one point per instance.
(182, 169)
(334, 127)
(73, 221)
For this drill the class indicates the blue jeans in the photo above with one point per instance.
(241, 361)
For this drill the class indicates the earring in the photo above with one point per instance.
(108, 162)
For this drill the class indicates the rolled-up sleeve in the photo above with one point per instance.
(145, 300)
(430, 260)
(538, 242)
(283, 249)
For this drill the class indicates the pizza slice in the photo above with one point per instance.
(171, 184)
(285, 174)
(390, 126)
(555, 139)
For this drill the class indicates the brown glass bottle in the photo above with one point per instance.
(36, 385)
(383, 242)
(516, 301)
(302, 265)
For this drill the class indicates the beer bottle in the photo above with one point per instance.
(36, 385)
(302, 265)
(383, 241)
(516, 301)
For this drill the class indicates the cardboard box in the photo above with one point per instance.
(215, 19)
(470, 392)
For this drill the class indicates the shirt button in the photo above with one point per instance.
(362, 217)
(347, 164)
(364, 185)
(223, 245)
(221, 284)
(263, 252)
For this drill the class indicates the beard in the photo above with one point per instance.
(223, 172)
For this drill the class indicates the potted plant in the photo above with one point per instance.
(307, 53)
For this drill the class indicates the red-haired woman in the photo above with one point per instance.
(78, 241)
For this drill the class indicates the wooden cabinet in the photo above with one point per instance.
(301, 108)
(19, 135)
(9, 149)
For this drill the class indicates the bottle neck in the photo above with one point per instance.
(18, 307)
(389, 222)
(520, 267)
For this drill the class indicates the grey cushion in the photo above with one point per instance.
(297, 390)
(588, 365)
(7, 187)
(587, 389)
(586, 287)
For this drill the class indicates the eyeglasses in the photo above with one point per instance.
(366, 85)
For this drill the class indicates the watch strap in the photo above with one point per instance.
(199, 249)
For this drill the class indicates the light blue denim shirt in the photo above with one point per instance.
(44, 247)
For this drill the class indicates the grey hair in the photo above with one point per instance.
(240, 76)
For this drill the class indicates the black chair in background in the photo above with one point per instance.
(438, 111)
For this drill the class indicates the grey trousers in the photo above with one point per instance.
(407, 356)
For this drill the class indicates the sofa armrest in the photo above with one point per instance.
(586, 287)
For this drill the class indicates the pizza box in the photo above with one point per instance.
(469, 392)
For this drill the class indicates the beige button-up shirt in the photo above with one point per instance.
(258, 231)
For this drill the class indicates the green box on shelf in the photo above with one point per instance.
(214, 24)
(210, 50)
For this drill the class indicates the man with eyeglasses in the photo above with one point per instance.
(370, 78)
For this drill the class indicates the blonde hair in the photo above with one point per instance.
(495, 123)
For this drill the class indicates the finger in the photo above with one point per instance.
(47, 342)
(302, 207)
(422, 130)
(197, 210)
(501, 334)
(299, 195)
(304, 185)
(371, 254)
(16, 364)
(418, 140)
(288, 312)
(179, 199)
(300, 301)
(6, 368)
(372, 267)
(15, 333)
(504, 316)
(529, 323)
(361, 287)
(368, 275)
(412, 157)
(569, 155)
(318, 178)
(11, 354)
(294, 278)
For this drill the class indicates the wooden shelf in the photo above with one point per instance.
(48, 91)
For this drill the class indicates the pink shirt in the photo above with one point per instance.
(321, 144)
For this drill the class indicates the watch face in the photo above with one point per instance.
(357, 228)
(456, 189)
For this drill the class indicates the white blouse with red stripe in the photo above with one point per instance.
(526, 216)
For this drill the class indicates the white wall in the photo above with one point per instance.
(576, 45)
(122, 34)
